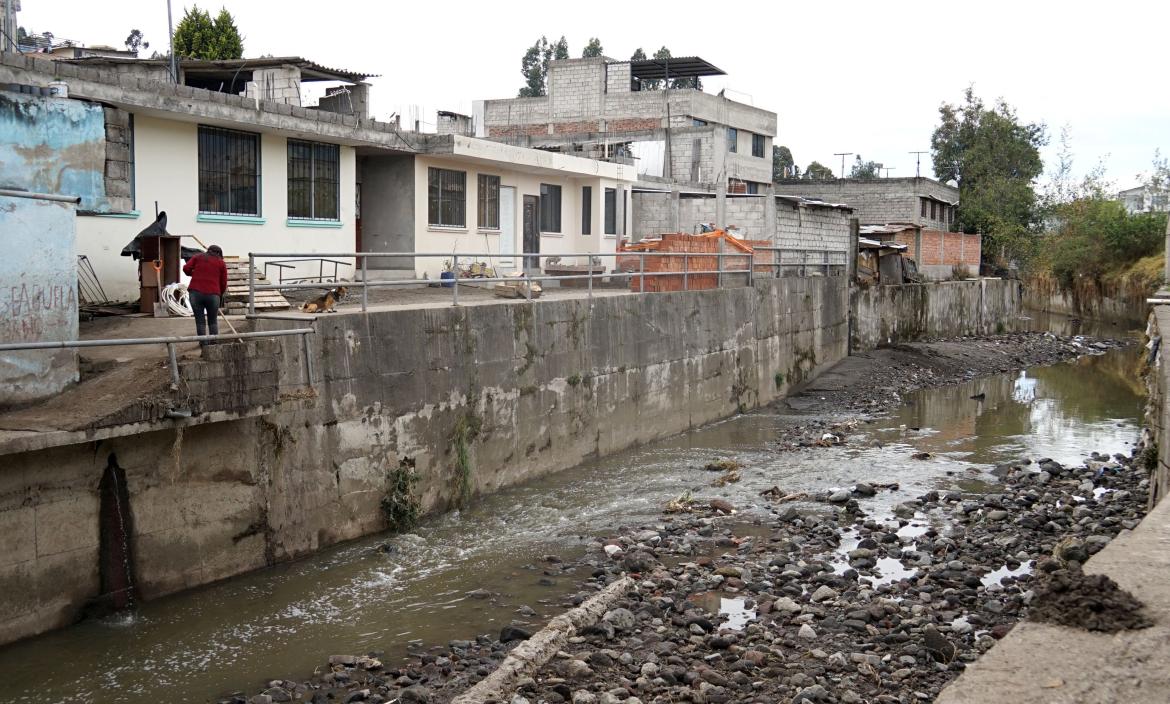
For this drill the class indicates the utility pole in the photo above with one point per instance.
(842, 155)
(171, 33)
(918, 163)
(8, 41)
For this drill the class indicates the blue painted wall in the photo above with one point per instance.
(54, 145)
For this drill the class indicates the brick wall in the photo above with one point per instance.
(950, 249)
(878, 201)
(651, 213)
(119, 170)
(747, 215)
(692, 211)
(617, 79)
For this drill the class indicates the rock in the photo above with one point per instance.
(613, 550)
(824, 593)
(961, 625)
(806, 632)
(513, 632)
(1072, 550)
(415, 694)
(574, 669)
(728, 571)
(639, 561)
(346, 660)
(277, 694)
(937, 645)
(787, 605)
(583, 697)
(815, 693)
(863, 489)
(621, 619)
(839, 497)
(357, 696)
(479, 594)
(721, 506)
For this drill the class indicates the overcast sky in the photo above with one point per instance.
(863, 77)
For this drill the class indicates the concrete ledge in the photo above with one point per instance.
(1045, 664)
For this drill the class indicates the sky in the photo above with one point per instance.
(861, 77)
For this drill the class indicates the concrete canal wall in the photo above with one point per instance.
(1089, 300)
(472, 398)
(883, 315)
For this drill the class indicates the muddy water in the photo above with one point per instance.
(283, 622)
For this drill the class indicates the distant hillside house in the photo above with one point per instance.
(1145, 199)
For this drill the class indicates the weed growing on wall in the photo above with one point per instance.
(400, 504)
(465, 432)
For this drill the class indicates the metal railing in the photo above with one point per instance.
(170, 342)
(282, 265)
(800, 262)
(748, 270)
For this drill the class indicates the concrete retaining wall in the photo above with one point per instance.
(882, 315)
(1089, 301)
(524, 388)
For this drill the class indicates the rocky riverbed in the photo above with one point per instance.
(850, 594)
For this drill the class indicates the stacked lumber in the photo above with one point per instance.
(236, 300)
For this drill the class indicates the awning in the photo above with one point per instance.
(676, 67)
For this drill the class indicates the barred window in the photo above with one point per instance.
(758, 145)
(313, 180)
(446, 197)
(586, 210)
(229, 172)
(550, 208)
(610, 211)
(489, 202)
(732, 139)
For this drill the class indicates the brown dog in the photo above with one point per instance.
(326, 303)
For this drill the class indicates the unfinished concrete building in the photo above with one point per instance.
(614, 111)
(925, 205)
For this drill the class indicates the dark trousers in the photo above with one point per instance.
(206, 306)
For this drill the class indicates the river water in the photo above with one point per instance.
(282, 622)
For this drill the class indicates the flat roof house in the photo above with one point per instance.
(234, 158)
(618, 111)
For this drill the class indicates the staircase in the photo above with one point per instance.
(236, 300)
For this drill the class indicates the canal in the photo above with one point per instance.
(382, 593)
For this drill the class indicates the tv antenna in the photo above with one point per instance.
(918, 163)
(887, 169)
(842, 155)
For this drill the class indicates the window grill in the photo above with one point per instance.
(229, 172)
(446, 197)
(550, 208)
(313, 180)
(489, 202)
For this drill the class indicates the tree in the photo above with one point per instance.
(592, 49)
(136, 41)
(197, 36)
(817, 171)
(995, 159)
(534, 65)
(638, 55)
(865, 169)
(783, 165)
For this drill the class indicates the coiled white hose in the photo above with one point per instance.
(178, 300)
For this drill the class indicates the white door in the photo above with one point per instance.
(507, 228)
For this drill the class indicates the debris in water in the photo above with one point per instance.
(681, 504)
(724, 465)
(921, 456)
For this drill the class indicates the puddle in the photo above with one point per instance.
(998, 575)
(733, 609)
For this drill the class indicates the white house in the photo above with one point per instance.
(234, 159)
(467, 195)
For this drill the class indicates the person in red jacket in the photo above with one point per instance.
(208, 285)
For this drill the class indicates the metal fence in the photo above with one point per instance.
(731, 268)
(170, 342)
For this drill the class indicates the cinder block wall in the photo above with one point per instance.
(881, 315)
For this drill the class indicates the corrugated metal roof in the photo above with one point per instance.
(675, 66)
(310, 70)
(813, 202)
